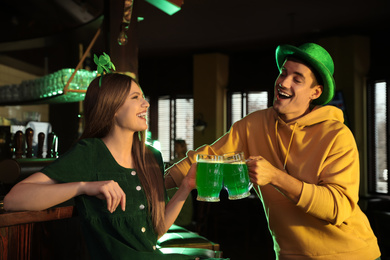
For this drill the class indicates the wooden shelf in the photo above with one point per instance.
(63, 86)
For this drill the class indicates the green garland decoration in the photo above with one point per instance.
(104, 65)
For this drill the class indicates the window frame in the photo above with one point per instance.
(371, 148)
(244, 107)
(172, 123)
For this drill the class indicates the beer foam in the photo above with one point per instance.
(239, 162)
(210, 161)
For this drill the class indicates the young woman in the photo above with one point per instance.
(116, 180)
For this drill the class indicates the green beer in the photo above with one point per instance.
(236, 180)
(209, 180)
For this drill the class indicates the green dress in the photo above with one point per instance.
(117, 235)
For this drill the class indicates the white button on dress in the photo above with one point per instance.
(142, 206)
(138, 188)
(143, 229)
(133, 173)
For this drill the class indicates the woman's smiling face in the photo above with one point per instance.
(295, 87)
(132, 114)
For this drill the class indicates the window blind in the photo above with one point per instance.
(175, 121)
(244, 103)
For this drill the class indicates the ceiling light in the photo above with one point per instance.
(168, 6)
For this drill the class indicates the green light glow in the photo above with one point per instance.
(164, 6)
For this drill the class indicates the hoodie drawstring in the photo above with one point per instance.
(289, 145)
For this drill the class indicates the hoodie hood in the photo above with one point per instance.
(318, 115)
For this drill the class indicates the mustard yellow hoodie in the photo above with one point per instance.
(319, 150)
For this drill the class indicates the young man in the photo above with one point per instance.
(304, 163)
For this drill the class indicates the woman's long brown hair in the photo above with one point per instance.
(100, 105)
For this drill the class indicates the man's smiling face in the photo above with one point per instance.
(295, 87)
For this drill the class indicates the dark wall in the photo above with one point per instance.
(64, 119)
(174, 75)
(166, 75)
(380, 56)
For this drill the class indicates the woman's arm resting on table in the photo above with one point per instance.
(38, 192)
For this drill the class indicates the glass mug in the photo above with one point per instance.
(209, 177)
(235, 175)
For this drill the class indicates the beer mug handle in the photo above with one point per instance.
(250, 183)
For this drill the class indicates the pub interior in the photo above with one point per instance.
(205, 51)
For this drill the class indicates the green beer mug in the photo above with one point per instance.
(209, 177)
(235, 176)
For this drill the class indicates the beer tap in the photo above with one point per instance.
(18, 144)
(41, 140)
(50, 139)
(29, 141)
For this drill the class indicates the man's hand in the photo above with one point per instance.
(260, 170)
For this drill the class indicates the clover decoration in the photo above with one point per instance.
(104, 65)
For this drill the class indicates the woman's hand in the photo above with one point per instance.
(190, 180)
(106, 190)
(175, 204)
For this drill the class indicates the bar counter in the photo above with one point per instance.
(55, 233)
